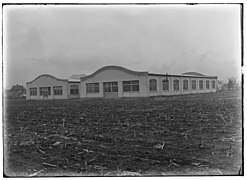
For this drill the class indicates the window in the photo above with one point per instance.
(58, 90)
(193, 85)
(185, 85)
(45, 91)
(110, 87)
(165, 84)
(74, 89)
(201, 84)
(153, 85)
(176, 85)
(92, 87)
(207, 84)
(213, 84)
(129, 86)
(33, 91)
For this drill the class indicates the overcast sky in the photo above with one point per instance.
(64, 40)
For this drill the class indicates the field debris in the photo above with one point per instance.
(36, 173)
(128, 137)
(48, 164)
(173, 163)
(160, 146)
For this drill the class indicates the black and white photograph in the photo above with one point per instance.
(122, 89)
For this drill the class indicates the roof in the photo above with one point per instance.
(119, 68)
(74, 80)
(172, 75)
(53, 77)
(193, 74)
(77, 76)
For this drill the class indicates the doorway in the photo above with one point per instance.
(45, 92)
(110, 89)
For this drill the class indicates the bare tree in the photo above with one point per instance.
(231, 83)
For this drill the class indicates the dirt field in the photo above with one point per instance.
(180, 135)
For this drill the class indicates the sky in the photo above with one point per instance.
(62, 40)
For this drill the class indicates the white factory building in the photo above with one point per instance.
(117, 81)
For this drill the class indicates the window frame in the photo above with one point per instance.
(41, 91)
(213, 84)
(185, 88)
(193, 85)
(57, 90)
(165, 85)
(131, 86)
(33, 91)
(207, 84)
(92, 88)
(201, 85)
(74, 89)
(152, 84)
(110, 86)
(175, 85)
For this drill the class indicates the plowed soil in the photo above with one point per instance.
(182, 135)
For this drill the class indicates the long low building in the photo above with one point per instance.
(116, 81)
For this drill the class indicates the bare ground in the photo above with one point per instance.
(182, 135)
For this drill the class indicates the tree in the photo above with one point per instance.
(231, 83)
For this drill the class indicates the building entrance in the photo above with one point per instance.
(110, 89)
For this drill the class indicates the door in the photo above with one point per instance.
(110, 89)
(45, 92)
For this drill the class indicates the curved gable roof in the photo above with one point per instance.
(193, 74)
(119, 68)
(53, 77)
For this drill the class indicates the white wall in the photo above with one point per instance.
(188, 91)
(171, 91)
(74, 96)
(111, 75)
(166, 93)
(172, 85)
(216, 84)
(159, 86)
(204, 85)
(47, 81)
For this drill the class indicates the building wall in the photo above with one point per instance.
(111, 75)
(73, 96)
(171, 91)
(164, 92)
(216, 85)
(119, 74)
(47, 81)
(186, 91)
(172, 85)
(158, 91)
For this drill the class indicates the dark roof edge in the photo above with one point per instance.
(120, 68)
(169, 75)
(53, 77)
(74, 81)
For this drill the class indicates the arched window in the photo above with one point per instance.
(193, 85)
(165, 84)
(185, 85)
(207, 84)
(176, 85)
(74, 89)
(213, 84)
(153, 85)
(201, 84)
